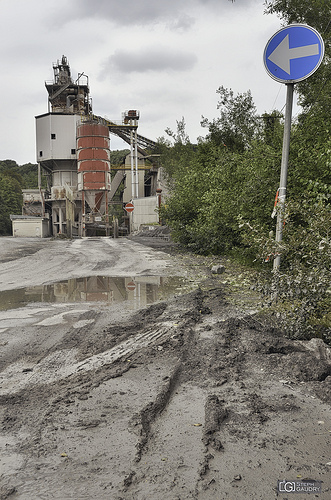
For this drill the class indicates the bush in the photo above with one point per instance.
(300, 289)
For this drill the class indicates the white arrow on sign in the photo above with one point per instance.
(282, 54)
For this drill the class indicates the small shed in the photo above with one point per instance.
(29, 226)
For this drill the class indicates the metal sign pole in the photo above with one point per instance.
(132, 166)
(291, 55)
(136, 163)
(284, 169)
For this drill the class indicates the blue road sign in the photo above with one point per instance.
(293, 53)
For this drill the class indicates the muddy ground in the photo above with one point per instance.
(194, 396)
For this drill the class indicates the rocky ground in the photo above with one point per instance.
(197, 396)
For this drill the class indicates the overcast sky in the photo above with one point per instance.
(165, 59)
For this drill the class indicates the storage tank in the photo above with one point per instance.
(93, 157)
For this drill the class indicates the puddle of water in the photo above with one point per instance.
(143, 290)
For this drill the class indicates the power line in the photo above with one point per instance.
(280, 88)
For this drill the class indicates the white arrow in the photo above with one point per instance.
(282, 54)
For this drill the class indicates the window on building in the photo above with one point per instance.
(40, 153)
(73, 151)
(53, 136)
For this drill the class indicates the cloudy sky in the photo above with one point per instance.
(165, 59)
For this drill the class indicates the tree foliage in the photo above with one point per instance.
(222, 196)
(26, 175)
(302, 286)
(117, 157)
(237, 124)
(14, 178)
(315, 13)
(212, 182)
(10, 201)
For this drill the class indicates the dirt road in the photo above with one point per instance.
(132, 373)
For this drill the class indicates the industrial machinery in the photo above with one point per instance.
(73, 153)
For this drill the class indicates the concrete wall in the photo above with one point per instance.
(145, 212)
(37, 227)
(56, 136)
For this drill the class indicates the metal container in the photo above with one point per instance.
(93, 157)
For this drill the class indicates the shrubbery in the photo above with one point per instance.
(222, 190)
(300, 290)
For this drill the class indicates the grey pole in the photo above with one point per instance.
(284, 168)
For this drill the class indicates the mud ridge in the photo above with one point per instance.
(141, 422)
(215, 414)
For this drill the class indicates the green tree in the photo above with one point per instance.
(118, 157)
(272, 129)
(302, 286)
(10, 201)
(210, 185)
(14, 178)
(313, 12)
(238, 124)
(27, 174)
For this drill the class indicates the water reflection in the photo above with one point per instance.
(143, 290)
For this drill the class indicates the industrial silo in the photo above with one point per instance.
(93, 166)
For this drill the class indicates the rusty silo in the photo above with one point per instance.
(93, 166)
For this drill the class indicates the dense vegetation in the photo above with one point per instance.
(14, 178)
(222, 190)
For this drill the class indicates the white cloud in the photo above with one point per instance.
(164, 58)
(148, 59)
(143, 12)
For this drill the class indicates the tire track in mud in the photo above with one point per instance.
(140, 423)
(215, 421)
(15, 377)
(241, 367)
(156, 331)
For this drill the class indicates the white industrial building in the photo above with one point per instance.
(74, 171)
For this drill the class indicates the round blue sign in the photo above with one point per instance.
(293, 53)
